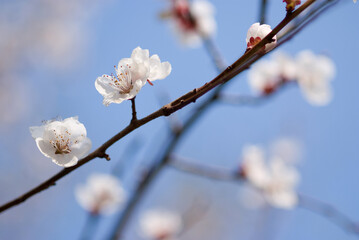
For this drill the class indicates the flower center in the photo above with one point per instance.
(61, 143)
(253, 41)
(123, 80)
(182, 13)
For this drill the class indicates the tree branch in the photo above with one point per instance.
(238, 66)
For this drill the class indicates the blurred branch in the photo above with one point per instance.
(215, 54)
(174, 123)
(316, 206)
(90, 227)
(193, 215)
(237, 67)
(263, 11)
(329, 212)
(211, 172)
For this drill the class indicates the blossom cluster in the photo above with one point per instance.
(65, 142)
(275, 178)
(313, 73)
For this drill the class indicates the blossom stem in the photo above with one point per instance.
(134, 113)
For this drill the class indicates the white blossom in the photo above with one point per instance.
(354, 1)
(159, 224)
(65, 142)
(131, 75)
(314, 73)
(102, 194)
(256, 33)
(276, 179)
(263, 76)
(193, 21)
(266, 75)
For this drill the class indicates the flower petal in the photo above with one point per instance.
(158, 70)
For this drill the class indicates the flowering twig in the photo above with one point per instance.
(238, 66)
(316, 206)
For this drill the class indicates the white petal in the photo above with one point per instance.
(65, 160)
(140, 55)
(82, 148)
(37, 132)
(158, 70)
(283, 199)
(45, 147)
(103, 86)
(252, 31)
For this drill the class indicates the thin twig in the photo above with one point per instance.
(211, 172)
(263, 11)
(329, 212)
(134, 113)
(215, 54)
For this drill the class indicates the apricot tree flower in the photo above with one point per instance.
(314, 73)
(65, 142)
(256, 33)
(291, 4)
(192, 21)
(131, 75)
(160, 224)
(275, 179)
(265, 76)
(102, 194)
